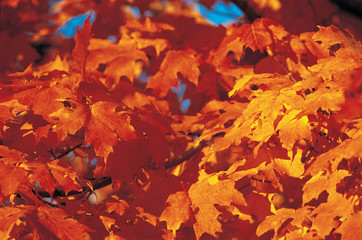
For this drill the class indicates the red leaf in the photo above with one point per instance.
(80, 52)
(156, 193)
(127, 160)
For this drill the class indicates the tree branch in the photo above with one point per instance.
(186, 155)
(105, 181)
(68, 151)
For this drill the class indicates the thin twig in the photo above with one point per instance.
(186, 155)
(260, 180)
(69, 150)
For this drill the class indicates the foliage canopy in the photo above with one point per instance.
(95, 145)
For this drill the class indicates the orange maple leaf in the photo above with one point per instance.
(175, 62)
(324, 216)
(319, 183)
(43, 101)
(41, 174)
(104, 125)
(120, 59)
(65, 177)
(58, 222)
(149, 34)
(260, 34)
(352, 227)
(9, 216)
(204, 195)
(274, 222)
(177, 210)
(11, 177)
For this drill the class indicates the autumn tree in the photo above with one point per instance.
(95, 143)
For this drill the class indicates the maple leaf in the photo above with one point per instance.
(80, 52)
(103, 128)
(257, 36)
(293, 166)
(41, 174)
(347, 149)
(175, 62)
(57, 64)
(10, 109)
(147, 33)
(120, 59)
(292, 128)
(11, 177)
(64, 176)
(328, 99)
(275, 222)
(257, 122)
(325, 214)
(352, 107)
(177, 210)
(43, 101)
(156, 193)
(319, 183)
(103, 124)
(70, 120)
(338, 67)
(108, 222)
(250, 125)
(265, 81)
(119, 206)
(58, 222)
(261, 100)
(9, 216)
(204, 195)
(11, 156)
(316, 49)
(352, 227)
(331, 35)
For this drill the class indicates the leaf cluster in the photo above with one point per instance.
(95, 145)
